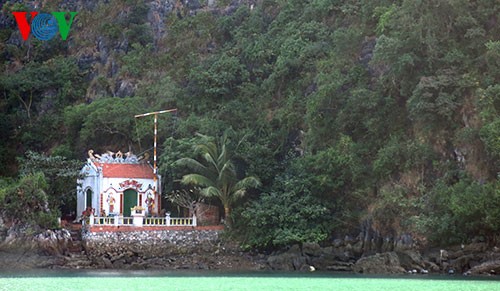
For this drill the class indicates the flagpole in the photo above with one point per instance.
(155, 168)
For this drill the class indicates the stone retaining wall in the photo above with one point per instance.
(113, 248)
(189, 237)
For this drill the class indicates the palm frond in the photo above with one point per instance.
(207, 146)
(247, 182)
(203, 136)
(197, 179)
(192, 164)
(211, 161)
(242, 140)
(211, 192)
(239, 193)
(222, 158)
(227, 170)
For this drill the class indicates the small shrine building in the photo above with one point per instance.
(114, 183)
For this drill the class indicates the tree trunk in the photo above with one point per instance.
(227, 215)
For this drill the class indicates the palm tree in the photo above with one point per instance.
(216, 174)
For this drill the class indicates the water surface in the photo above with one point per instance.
(210, 280)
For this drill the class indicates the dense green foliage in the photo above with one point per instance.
(288, 214)
(461, 211)
(62, 174)
(360, 110)
(28, 202)
(44, 191)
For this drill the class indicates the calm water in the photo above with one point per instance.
(122, 280)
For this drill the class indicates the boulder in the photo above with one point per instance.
(443, 254)
(107, 263)
(383, 263)
(452, 255)
(357, 249)
(490, 267)
(288, 261)
(337, 243)
(410, 260)
(463, 263)
(53, 242)
(346, 253)
(431, 267)
(476, 247)
(311, 249)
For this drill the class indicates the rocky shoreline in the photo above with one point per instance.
(63, 249)
(472, 259)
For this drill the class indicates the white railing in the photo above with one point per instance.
(155, 221)
(183, 220)
(140, 221)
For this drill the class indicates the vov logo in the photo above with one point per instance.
(44, 26)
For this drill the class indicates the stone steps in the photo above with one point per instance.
(76, 257)
(75, 247)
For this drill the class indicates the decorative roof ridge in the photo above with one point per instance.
(117, 158)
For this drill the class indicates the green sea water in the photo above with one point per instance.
(120, 280)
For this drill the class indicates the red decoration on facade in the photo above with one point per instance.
(131, 184)
(103, 213)
(111, 201)
(150, 202)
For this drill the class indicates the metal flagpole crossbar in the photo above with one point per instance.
(155, 169)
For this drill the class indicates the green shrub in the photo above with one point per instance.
(461, 212)
(280, 219)
(26, 202)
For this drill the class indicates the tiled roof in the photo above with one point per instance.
(138, 171)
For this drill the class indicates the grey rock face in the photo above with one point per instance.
(384, 263)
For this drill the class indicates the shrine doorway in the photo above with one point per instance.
(129, 201)
(88, 199)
